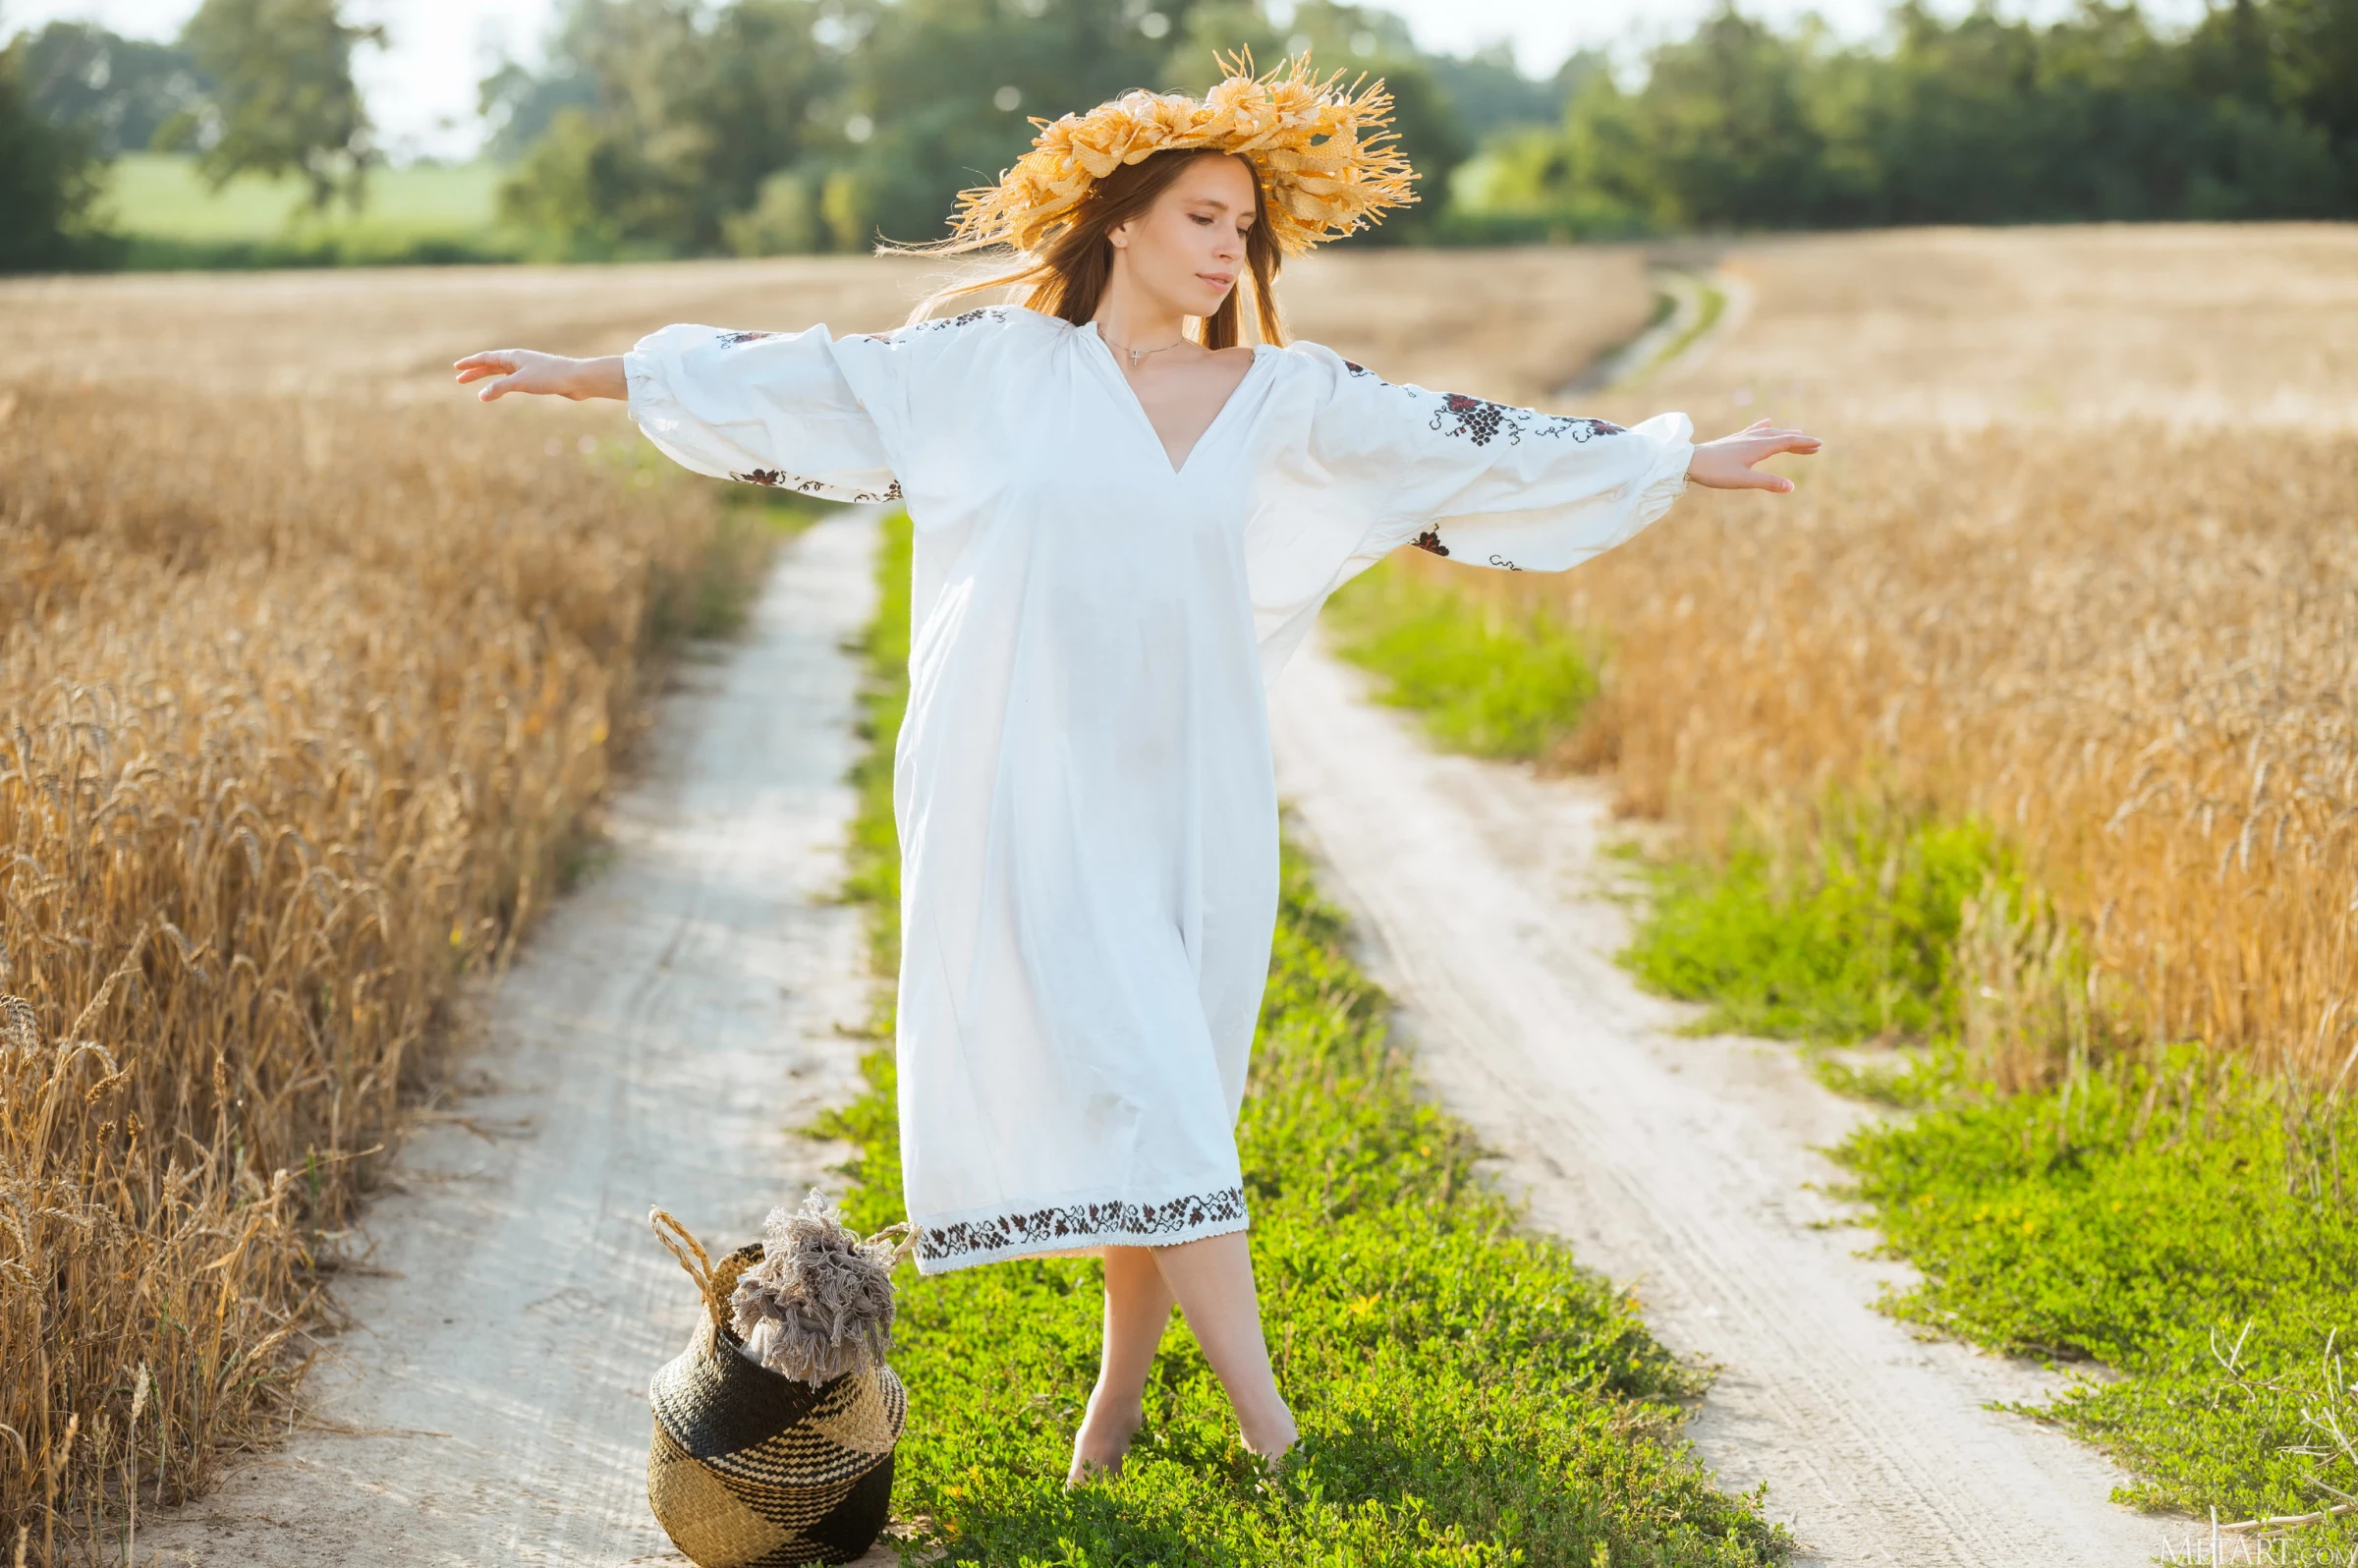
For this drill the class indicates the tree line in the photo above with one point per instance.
(701, 127)
(2251, 113)
(820, 125)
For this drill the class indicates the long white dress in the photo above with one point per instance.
(1083, 784)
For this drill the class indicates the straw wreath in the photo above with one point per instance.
(1327, 163)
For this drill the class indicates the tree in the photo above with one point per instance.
(1489, 95)
(2313, 64)
(121, 90)
(49, 181)
(611, 171)
(665, 120)
(773, 124)
(761, 126)
(943, 91)
(283, 100)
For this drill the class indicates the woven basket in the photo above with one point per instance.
(750, 1469)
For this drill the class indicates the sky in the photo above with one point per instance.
(420, 89)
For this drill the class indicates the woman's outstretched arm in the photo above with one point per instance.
(1490, 484)
(530, 371)
(764, 408)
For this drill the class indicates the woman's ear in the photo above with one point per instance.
(1119, 234)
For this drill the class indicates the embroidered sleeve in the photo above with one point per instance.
(764, 408)
(1491, 484)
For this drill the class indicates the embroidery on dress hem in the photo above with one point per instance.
(1077, 1221)
(729, 340)
(1430, 539)
(1500, 560)
(779, 480)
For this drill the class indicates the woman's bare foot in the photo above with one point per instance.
(1104, 1438)
(1269, 1438)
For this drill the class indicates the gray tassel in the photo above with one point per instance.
(820, 1302)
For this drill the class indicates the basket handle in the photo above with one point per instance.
(905, 1237)
(692, 1257)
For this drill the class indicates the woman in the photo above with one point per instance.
(1122, 529)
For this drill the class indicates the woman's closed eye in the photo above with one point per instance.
(1206, 220)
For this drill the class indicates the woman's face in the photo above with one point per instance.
(1186, 250)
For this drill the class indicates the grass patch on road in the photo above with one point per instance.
(2155, 1210)
(1467, 1394)
(1850, 938)
(1484, 678)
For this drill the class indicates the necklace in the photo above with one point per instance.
(1137, 355)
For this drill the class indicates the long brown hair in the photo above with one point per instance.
(1067, 278)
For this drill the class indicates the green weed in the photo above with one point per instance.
(1467, 1394)
(1851, 939)
(1484, 678)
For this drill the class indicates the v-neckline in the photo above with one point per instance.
(1138, 406)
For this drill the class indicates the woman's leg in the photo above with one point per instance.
(1213, 1281)
(1137, 1308)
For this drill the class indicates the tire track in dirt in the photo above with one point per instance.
(1678, 1167)
(652, 1042)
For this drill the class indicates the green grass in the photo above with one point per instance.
(2192, 1230)
(2195, 1231)
(1712, 305)
(1484, 678)
(169, 217)
(874, 878)
(1467, 1394)
(1846, 936)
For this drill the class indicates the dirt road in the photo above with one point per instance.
(654, 1043)
(1679, 1167)
(671, 1019)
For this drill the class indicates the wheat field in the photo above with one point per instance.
(1512, 322)
(311, 673)
(2081, 558)
(2185, 326)
(297, 718)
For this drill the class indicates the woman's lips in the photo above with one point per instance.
(1218, 280)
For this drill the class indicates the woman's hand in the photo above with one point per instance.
(529, 371)
(1726, 464)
